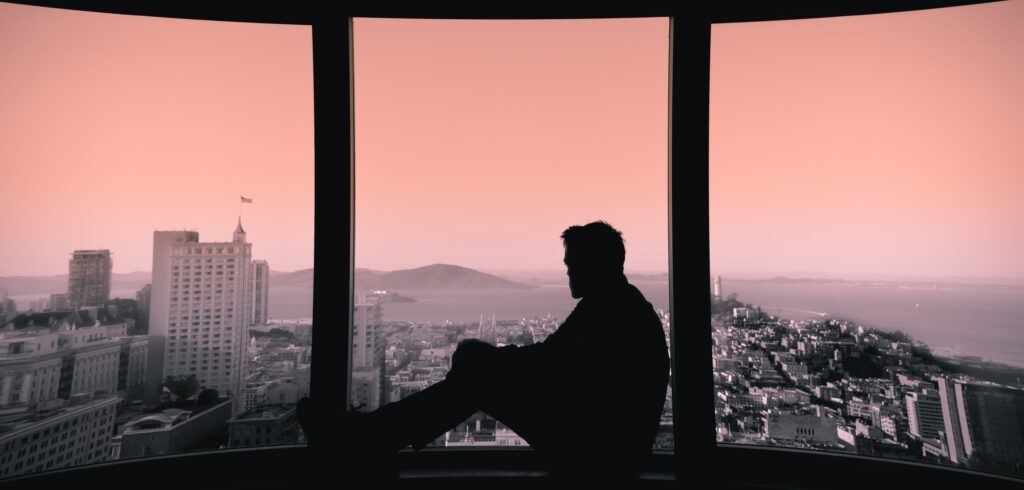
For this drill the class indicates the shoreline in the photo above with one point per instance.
(946, 354)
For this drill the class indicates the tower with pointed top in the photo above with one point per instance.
(206, 292)
(239, 236)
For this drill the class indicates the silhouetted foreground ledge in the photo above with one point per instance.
(298, 467)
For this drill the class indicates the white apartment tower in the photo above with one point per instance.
(201, 306)
(159, 305)
(368, 351)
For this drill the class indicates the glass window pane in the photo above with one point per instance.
(477, 143)
(864, 211)
(124, 138)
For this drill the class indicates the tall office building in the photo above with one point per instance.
(260, 292)
(924, 410)
(201, 304)
(951, 419)
(142, 296)
(992, 422)
(8, 309)
(89, 277)
(159, 305)
(368, 353)
(718, 288)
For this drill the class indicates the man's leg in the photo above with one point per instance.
(482, 378)
(422, 417)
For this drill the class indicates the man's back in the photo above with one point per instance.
(603, 376)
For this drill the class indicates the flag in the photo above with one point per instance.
(246, 199)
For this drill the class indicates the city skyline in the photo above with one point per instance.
(132, 369)
(504, 149)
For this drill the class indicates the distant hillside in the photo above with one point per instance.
(18, 285)
(436, 276)
(557, 277)
(663, 277)
(905, 284)
(131, 280)
(302, 278)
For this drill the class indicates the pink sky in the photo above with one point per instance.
(884, 144)
(478, 142)
(874, 144)
(114, 126)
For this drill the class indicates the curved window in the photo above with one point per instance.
(477, 142)
(864, 199)
(115, 126)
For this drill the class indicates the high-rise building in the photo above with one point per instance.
(368, 354)
(260, 292)
(159, 305)
(924, 411)
(366, 388)
(368, 341)
(718, 288)
(143, 296)
(953, 433)
(992, 422)
(8, 308)
(89, 277)
(201, 304)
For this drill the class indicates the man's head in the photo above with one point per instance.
(594, 254)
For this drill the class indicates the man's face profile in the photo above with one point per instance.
(575, 287)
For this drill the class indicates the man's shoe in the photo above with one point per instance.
(367, 447)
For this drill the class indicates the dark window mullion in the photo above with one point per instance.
(333, 226)
(689, 262)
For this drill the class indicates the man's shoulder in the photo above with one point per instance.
(631, 298)
(626, 303)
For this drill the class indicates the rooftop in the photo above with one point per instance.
(17, 420)
(264, 413)
(168, 418)
(77, 318)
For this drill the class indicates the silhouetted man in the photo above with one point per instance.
(588, 398)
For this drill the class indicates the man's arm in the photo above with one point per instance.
(542, 357)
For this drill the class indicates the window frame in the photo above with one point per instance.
(351, 204)
(690, 29)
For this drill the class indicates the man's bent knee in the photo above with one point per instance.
(471, 356)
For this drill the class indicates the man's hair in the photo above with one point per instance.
(596, 245)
